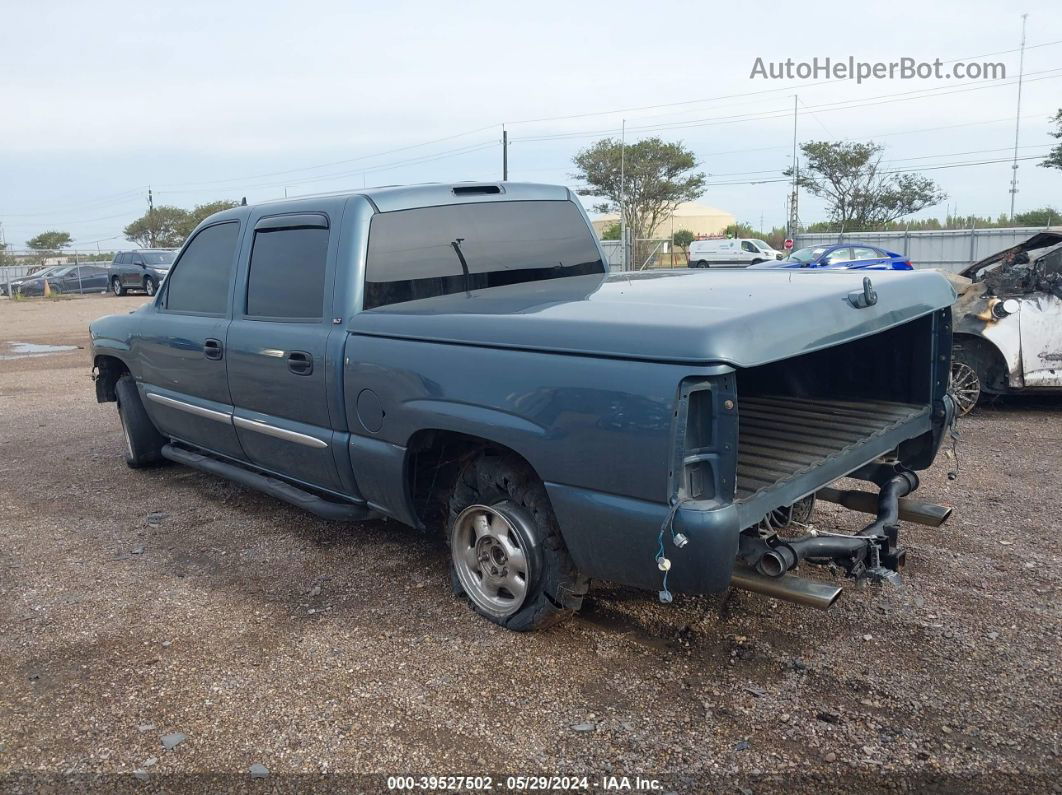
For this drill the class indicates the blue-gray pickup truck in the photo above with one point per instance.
(459, 358)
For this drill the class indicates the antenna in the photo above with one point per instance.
(1017, 121)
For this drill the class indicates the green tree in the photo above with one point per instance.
(201, 212)
(49, 241)
(162, 227)
(46, 244)
(611, 231)
(859, 194)
(1054, 157)
(1042, 216)
(682, 238)
(644, 181)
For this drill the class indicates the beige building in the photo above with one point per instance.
(701, 219)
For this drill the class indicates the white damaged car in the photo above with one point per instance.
(1008, 322)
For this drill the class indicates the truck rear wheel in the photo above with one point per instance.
(506, 552)
(143, 442)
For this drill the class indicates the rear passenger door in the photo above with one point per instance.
(279, 371)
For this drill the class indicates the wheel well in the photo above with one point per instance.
(987, 359)
(108, 370)
(434, 459)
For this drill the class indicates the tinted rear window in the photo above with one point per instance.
(287, 273)
(432, 251)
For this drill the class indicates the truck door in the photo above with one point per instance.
(180, 347)
(279, 373)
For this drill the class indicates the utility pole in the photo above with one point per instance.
(794, 216)
(623, 183)
(1017, 121)
(151, 217)
(505, 154)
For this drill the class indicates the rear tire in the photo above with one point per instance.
(143, 442)
(116, 286)
(701, 264)
(507, 555)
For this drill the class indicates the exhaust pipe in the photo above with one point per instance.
(923, 513)
(787, 587)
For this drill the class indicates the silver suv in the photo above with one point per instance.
(140, 269)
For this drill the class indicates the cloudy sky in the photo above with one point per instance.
(209, 100)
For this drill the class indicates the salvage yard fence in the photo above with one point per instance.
(946, 249)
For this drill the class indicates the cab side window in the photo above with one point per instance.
(287, 272)
(199, 281)
(747, 246)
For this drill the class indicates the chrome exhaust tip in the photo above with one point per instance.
(788, 587)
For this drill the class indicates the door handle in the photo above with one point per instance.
(300, 362)
(212, 349)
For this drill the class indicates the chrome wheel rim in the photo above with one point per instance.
(965, 386)
(149, 287)
(489, 559)
(116, 287)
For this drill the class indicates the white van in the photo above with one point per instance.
(737, 252)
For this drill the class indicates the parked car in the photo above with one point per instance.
(1008, 322)
(458, 358)
(142, 269)
(846, 256)
(730, 253)
(90, 278)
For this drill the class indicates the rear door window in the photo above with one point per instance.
(431, 251)
(861, 253)
(287, 273)
(199, 281)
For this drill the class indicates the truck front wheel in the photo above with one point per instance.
(143, 442)
(506, 552)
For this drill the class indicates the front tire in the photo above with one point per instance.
(967, 380)
(143, 442)
(150, 286)
(507, 555)
(116, 286)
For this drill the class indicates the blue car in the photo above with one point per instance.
(842, 256)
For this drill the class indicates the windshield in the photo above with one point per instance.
(158, 257)
(762, 245)
(807, 254)
(46, 272)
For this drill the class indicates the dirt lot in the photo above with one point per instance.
(134, 604)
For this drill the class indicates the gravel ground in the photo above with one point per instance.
(139, 604)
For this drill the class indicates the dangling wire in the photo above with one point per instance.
(678, 539)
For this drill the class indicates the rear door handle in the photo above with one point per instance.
(300, 362)
(212, 349)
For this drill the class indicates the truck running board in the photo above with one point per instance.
(336, 511)
(924, 513)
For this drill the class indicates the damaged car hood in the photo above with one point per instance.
(740, 318)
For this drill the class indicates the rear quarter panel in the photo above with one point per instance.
(590, 422)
